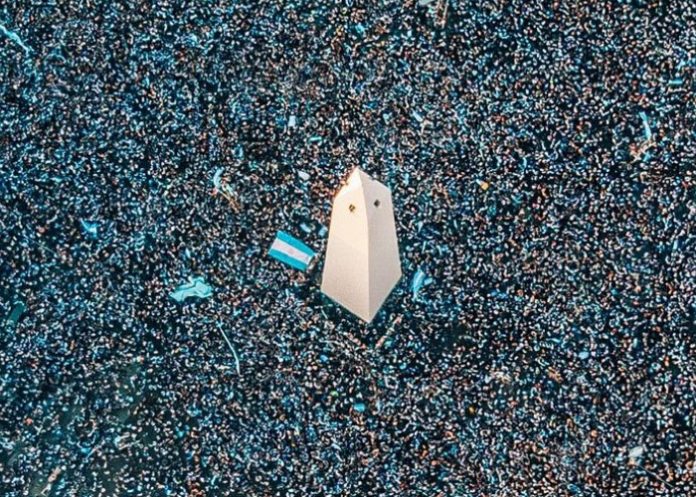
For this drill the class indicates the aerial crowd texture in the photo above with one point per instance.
(541, 157)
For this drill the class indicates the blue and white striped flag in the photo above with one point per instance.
(291, 251)
(419, 281)
(90, 228)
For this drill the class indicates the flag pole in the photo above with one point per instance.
(234, 352)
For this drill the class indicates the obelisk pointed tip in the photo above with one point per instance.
(358, 176)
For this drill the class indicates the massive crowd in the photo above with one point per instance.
(541, 156)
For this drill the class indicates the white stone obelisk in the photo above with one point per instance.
(362, 263)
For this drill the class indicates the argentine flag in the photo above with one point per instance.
(291, 251)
